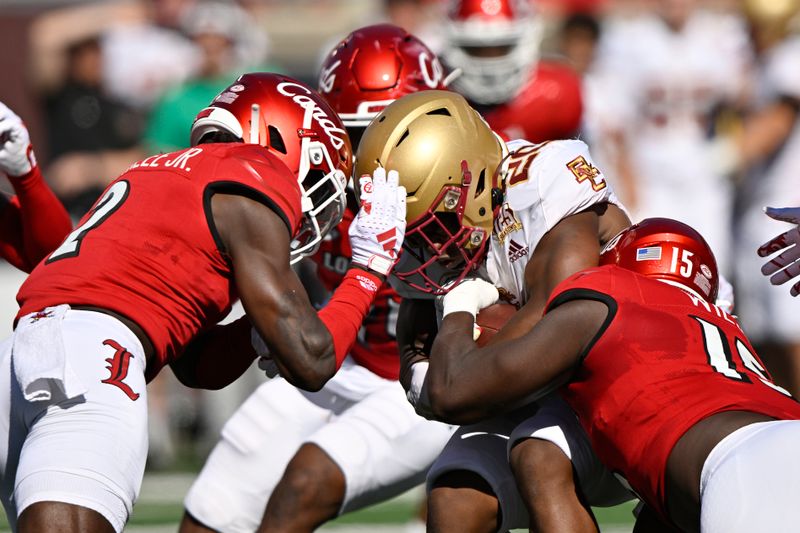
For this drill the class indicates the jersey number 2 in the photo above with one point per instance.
(105, 206)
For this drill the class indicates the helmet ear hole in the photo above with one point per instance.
(218, 137)
(497, 198)
(276, 140)
(481, 185)
(441, 111)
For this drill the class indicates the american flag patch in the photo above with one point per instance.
(651, 253)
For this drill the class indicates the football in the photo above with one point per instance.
(490, 320)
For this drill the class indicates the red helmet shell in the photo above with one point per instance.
(488, 10)
(372, 67)
(668, 250)
(287, 107)
(297, 125)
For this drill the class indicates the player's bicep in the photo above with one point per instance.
(570, 246)
(257, 241)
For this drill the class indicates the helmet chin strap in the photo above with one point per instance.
(255, 110)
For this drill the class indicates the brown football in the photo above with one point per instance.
(491, 319)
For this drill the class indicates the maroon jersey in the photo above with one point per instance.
(375, 348)
(663, 361)
(148, 249)
(548, 107)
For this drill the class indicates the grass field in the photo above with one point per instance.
(159, 510)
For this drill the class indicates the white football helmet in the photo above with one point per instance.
(494, 43)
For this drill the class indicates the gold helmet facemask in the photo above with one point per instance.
(446, 156)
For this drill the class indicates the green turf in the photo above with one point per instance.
(396, 511)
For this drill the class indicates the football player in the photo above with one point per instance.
(309, 456)
(786, 265)
(33, 222)
(526, 216)
(641, 350)
(149, 271)
(495, 47)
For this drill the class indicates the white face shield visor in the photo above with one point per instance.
(323, 198)
(492, 79)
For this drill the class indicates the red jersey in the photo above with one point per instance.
(548, 107)
(148, 249)
(32, 223)
(663, 361)
(376, 347)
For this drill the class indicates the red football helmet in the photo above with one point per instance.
(668, 250)
(374, 66)
(294, 123)
(495, 43)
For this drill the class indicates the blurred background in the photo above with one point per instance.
(689, 107)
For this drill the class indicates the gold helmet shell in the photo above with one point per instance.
(772, 19)
(425, 136)
(447, 157)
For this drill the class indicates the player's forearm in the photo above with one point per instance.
(44, 221)
(455, 378)
(347, 308)
(297, 341)
(765, 132)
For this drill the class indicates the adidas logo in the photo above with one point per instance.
(516, 251)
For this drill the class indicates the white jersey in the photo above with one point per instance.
(545, 183)
(670, 81)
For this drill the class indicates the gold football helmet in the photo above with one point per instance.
(446, 156)
(772, 20)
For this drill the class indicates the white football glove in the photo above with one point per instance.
(377, 232)
(471, 295)
(785, 265)
(16, 153)
(265, 361)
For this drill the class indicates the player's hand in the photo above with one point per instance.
(265, 361)
(16, 153)
(377, 232)
(785, 265)
(471, 295)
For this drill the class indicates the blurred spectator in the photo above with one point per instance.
(668, 74)
(219, 31)
(92, 137)
(99, 67)
(142, 59)
(143, 51)
(769, 148)
(579, 35)
(578, 40)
